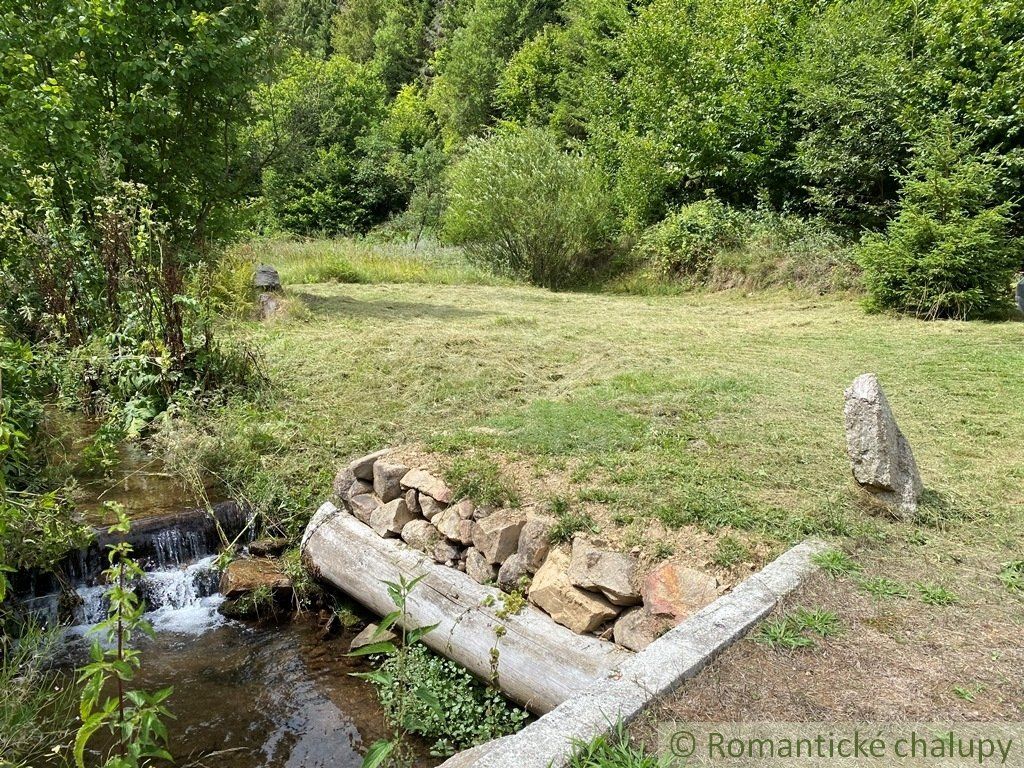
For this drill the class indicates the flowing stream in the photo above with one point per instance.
(245, 695)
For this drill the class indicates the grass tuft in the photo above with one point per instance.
(935, 594)
(1011, 575)
(615, 750)
(836, 563)
(481, 479)
(568, 522)
(883, 588)
(794, 630)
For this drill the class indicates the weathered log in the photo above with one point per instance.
(537, 662)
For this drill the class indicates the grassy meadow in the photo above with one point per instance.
(668, 423)
(704, 427)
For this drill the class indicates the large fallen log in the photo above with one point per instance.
(533, 660)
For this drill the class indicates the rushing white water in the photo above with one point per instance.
(182, 600)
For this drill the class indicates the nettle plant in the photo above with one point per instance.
(134, 718)
(393, 677)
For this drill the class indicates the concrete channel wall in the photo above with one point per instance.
(654, 672)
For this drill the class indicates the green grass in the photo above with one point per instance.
(482, 480)
(797, 629)
(883, 588)
(301, 262)
(935, 594)
(836, 563)
(616, 750)
(716, 410)
(729, 552)
(1011, 574)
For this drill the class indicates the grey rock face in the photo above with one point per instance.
(1020, 296)
(477, 567)
(613, 574)
(362, 506)
(421, 535)
(637, 628)
(497, 536)
(427, 484)
(389, 519)
(266, 278)
(883, 463)
(362, 467)
(534, 542)
(359, 487)
(387, 480)
(514, 573)
(412, 501)
(269, 306)
(430, 507)
(445, 552)
(342, 483)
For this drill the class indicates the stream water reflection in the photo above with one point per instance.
(261, 697)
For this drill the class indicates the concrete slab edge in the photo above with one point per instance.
(658, 670)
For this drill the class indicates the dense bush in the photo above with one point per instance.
(312, 120)
(527, 208)
(800, 110)
(686, 241)
(949, 251)
(854, 91)
(484, 34)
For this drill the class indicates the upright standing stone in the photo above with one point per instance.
(1020, 295)
(880, 456)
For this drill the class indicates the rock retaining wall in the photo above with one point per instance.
(589, 589)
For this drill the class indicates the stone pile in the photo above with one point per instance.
(588, 589)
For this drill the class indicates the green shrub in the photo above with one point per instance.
(949, 253)
(482, 35)
(527, 208)
(311, 123)
(852, 91)
(685, 242)
(472, 712)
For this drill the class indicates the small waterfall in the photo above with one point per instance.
(180, 600)
(161, 542)
(180, 584)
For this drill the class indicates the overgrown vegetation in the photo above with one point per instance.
(37, 707)
(412, 683)
(570, 141)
